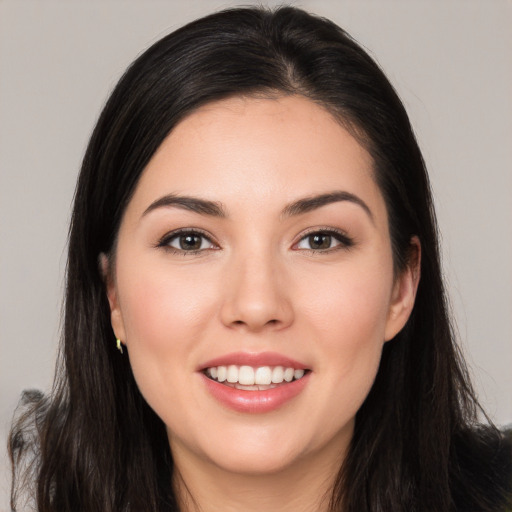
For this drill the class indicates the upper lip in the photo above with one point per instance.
(254, 359)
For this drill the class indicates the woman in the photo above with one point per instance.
(255, 315)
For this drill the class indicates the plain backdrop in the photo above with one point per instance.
(451, 62)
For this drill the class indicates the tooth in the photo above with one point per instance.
(246, 376)
(263, 375)
(221, 373)
(252, 377)
(288, 374)
(264, 388)
(277, 375)
(232, 374)
(246, 388)
(297, 374)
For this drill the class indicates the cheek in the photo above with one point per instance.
(162, 310)
(349, 315)
(165, 314)
(350, 305)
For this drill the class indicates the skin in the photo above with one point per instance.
(256, 285)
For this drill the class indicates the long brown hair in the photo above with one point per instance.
(96, 444)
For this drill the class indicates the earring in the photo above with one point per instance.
(119, 345)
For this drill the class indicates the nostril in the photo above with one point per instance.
(272, 322)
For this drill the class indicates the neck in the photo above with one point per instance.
(306, 486)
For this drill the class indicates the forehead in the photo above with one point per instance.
(258, 151)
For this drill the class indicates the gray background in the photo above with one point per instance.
(450, 61)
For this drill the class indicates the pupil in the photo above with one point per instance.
(190, 242)
(320, 241)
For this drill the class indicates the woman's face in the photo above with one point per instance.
(256, 249)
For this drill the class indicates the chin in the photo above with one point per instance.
(257, 464)
(242, 450)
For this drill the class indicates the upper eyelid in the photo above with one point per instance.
(328, 230)
(305, 233)
(176, 232)
(343, 237)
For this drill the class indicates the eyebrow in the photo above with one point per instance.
(216, 209)
(194, 204)
(313, 202)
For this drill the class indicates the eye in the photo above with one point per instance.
(187, 241)
(324, 240)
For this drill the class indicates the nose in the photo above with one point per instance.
(256, 295)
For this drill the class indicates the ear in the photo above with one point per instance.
(404, 292)
(116, 318)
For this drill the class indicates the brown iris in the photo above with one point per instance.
(320, 241)
(190, 242)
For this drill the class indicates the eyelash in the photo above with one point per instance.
(345, 242)
(174, 235)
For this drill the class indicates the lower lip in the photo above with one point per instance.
(255, 402)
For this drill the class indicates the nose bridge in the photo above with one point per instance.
(256, 295)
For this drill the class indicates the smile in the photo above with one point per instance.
(250, 378)
(254, 383)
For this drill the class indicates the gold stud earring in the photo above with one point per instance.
(119, 345)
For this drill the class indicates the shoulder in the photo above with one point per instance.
(481, 471)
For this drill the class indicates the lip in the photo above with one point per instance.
(255, 360)
(255, 402)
